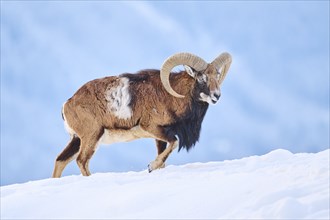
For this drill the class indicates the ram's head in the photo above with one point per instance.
(209, 76)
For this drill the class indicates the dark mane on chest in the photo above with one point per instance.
(188, 128)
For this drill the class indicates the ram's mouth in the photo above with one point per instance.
(207, 98)
(215, 97)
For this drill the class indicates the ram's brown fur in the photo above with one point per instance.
(87, 114)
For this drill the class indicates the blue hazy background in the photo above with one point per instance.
(276, 94)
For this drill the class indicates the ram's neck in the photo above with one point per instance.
(182, 83)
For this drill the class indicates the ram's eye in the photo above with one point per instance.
(202, 78)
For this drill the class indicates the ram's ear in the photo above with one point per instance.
(191, 71)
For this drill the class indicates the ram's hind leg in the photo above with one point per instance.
(87, 149)
(67, 155)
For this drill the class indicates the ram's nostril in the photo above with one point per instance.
(217, 96)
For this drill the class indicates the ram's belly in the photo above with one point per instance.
(111, 136)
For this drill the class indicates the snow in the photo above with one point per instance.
(279, 184)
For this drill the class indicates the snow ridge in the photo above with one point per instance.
(276, 185)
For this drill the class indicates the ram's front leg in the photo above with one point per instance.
(161, 146)
(163, 154)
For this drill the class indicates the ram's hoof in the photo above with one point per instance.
(155, 165)
(149, 168)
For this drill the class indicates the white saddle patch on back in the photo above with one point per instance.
(119, 98)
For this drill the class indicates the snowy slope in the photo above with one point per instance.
(276, 185)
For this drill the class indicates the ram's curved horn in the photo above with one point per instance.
(222, 62)
(179, 59)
